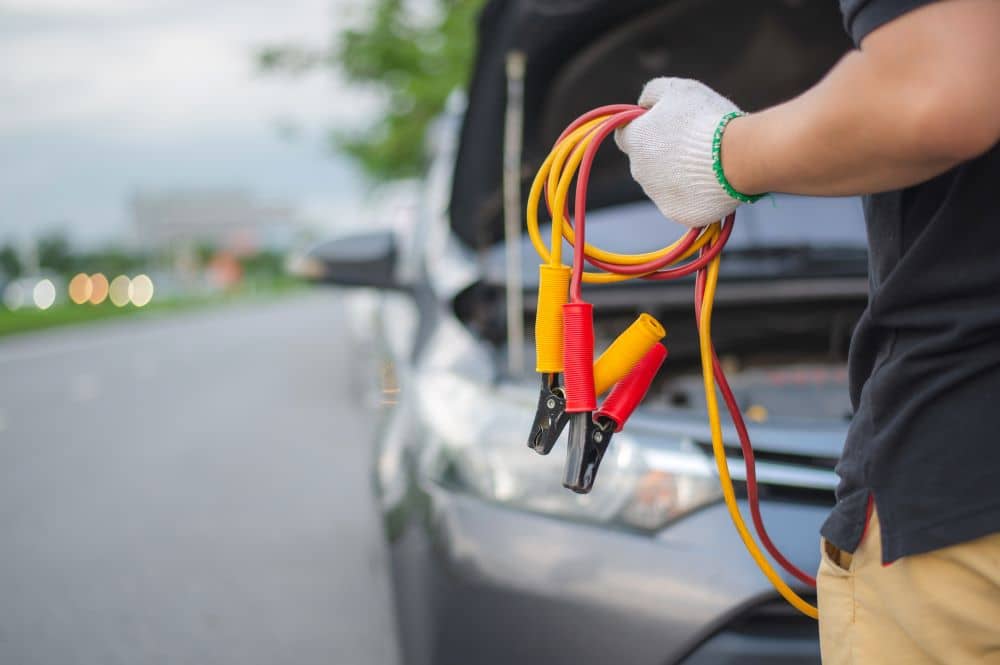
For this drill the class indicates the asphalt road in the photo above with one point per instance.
(189, 490)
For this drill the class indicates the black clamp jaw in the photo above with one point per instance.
(589, 438)
(550, 416)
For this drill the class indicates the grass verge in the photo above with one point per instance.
(67, 314)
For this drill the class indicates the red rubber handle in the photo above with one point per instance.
(627, 393)
(578, 357)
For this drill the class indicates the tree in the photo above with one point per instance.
(112, 260)
(54, 252)
(413, 64)
(10, 262)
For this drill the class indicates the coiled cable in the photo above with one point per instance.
(698, 252)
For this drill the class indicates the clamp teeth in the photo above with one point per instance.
(550, 418)
(588, 441)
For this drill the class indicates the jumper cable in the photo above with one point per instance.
(564, 333)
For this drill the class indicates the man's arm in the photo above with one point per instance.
(921, 96)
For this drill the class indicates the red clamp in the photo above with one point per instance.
(627, 393)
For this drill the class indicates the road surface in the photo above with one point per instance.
(191, 489)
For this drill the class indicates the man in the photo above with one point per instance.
(911, 553)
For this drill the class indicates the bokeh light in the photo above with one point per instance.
(80, 288)
(757, 413)
(98, 288)
(13, 296)
(118, 291)
(141, 290)
(44, 294)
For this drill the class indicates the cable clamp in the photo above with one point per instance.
(589, 438)
(550, 416)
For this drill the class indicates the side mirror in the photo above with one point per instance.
(362, 259)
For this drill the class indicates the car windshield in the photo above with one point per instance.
(777, 224)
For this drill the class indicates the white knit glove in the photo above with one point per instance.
(670, 150)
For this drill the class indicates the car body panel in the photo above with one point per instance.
(491, 585)
(480, 582)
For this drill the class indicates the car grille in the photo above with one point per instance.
(772, 633)
(784, 476)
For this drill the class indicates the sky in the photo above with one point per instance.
(103, 98)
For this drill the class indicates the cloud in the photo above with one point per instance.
(155, 93)
(168, 73)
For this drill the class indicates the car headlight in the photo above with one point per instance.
(478, 443)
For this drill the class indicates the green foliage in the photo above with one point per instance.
(30, 319)
(110, 261)
(204, 252)
(412, 65)
(264, 264)
(66, 314)
(54, 252)
(10, 262)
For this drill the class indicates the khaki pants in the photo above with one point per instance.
(939, 607)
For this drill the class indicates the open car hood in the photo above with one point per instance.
(581, 54)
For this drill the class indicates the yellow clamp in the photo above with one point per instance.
(628, 349)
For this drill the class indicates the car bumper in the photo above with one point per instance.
(480, 583)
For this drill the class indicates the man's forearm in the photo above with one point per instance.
(919, 99)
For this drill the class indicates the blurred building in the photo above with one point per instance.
(227, 220)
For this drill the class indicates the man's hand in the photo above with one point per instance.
(670, 150)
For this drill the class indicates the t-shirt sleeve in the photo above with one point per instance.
(863, 16)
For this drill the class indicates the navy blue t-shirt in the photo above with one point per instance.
(925, 357)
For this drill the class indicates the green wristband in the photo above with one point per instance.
(717, 161)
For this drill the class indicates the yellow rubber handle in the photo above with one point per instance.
(553, 292)
(628, 349)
